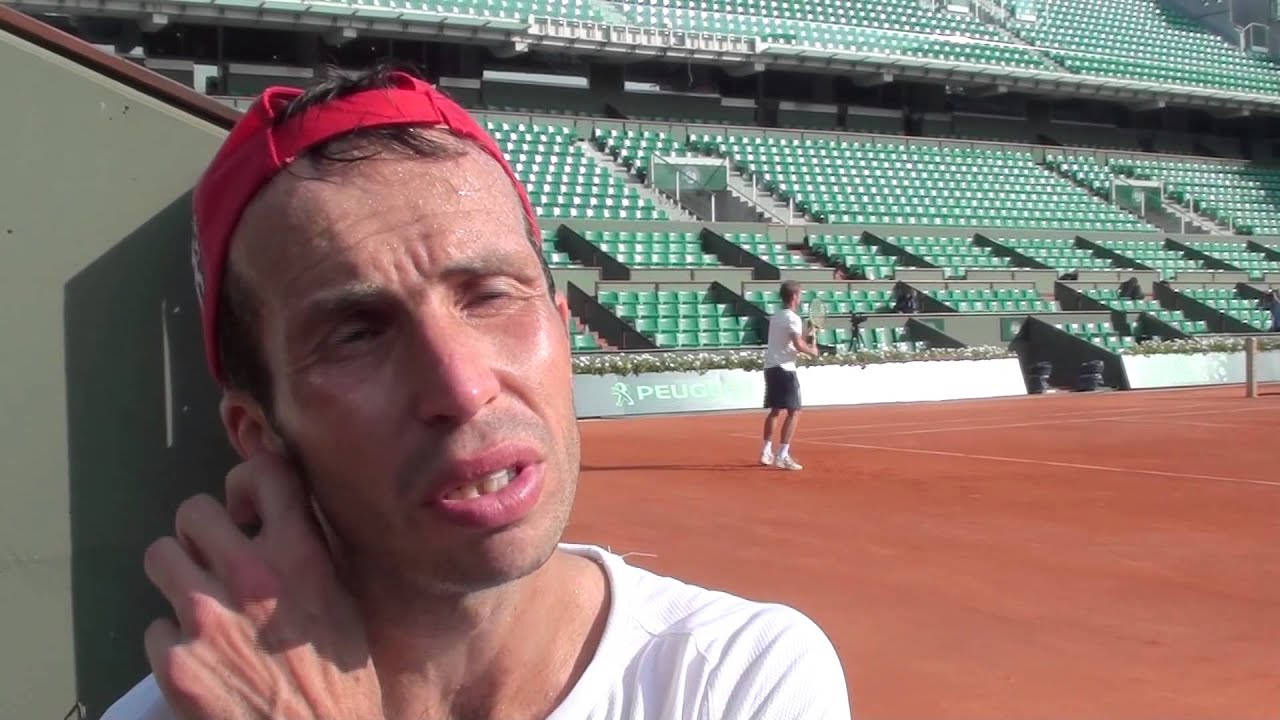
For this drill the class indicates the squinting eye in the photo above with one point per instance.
(355, 331)
(489, 295)
(354, 335)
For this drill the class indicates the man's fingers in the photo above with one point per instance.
(177, 576)
(160, 638)
(266, 489)
(169, 660)
(206, 530)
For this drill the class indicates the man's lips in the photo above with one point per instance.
(498, 465)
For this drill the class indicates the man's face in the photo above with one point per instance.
(418, 364)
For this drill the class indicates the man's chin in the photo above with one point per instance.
(492, 561)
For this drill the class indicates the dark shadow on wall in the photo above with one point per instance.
(143, 434)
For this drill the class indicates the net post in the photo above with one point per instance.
(1250, 367)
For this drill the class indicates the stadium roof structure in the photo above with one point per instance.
(751, 54)
(512, 34)
(174, 93)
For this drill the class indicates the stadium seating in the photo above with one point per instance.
(839, 302)
(1124, 39)
(853, 257)
(1003, 300)
(955, 255)
(642, 249)
(516, 10)
(881, 338)
(1167, 262)
(580, 341)
(1244, 195)
(680, 319)
(1226, 301)
(865, 182)
(563, 182)
(761, 246)
(1240, 256)
(891, 27)
(554, 257)
(844, 302)
(1145, 40)
(1111, 298)
(899, 15)
(1084, 170)
(1060, 254)
(1103, 335)
(1180, 321)
(633, 149)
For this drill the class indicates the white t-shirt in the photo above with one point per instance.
(781, 351)
(671, 651)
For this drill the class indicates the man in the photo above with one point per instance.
(1131, 289)
(781, 384)
(906, 300)
(1272, 302)
(397, 378)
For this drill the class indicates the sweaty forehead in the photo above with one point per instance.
(319, 211)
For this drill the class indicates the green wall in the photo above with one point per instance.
(96, 447)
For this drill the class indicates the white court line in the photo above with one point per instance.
(1055, 421)
(1052, 463)
(1136, 408)
(1183, 422)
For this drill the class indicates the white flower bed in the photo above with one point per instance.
(1194, 346)
(636, 363)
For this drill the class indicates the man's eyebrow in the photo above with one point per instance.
(342, 299)
(482, 264)
(357, 295)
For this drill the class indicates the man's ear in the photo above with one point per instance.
(562, 307)
(247, 426)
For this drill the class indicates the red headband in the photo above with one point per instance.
(258, 148)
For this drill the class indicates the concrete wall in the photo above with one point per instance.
(96, 447)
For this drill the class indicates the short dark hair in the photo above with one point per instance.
(788, 291)
(240, 353)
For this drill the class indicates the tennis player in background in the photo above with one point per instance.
(787, 339)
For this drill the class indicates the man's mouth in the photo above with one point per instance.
(487, 485)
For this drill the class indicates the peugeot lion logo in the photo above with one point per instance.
(622, 395)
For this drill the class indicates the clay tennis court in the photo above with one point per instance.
(1056, 556)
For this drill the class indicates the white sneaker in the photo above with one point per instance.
(786, 462)
(766, 457)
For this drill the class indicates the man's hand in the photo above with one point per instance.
(264, 629)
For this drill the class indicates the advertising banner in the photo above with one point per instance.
(680, 392)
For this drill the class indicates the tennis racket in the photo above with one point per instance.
(817, 318)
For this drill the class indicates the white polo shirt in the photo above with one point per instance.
(671, 651)
(780, 350)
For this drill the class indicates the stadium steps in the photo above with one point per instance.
(1166, 224)
(1199, 308)
(730, 207)
(601, 342)
(853, 257)
(819, 262)
(1237, 258)
(674, 210)
(1239, 196)
(771, 209)
(996, 17)
(1195, 221)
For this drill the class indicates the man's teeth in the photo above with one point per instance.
(491, 483)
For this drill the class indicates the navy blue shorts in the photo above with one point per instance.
(781, 389)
